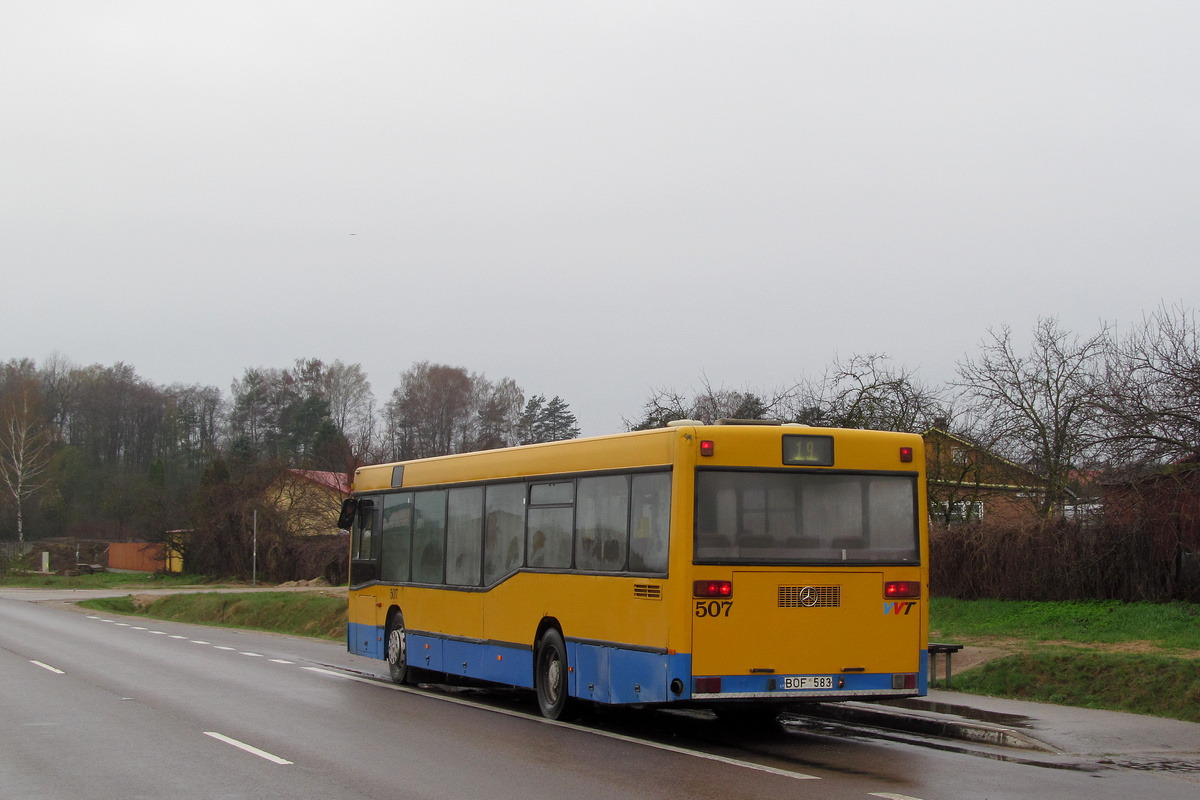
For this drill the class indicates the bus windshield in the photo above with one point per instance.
(760, 517)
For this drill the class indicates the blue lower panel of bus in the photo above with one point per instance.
(601, 672)
(365, 640)
(614, 674)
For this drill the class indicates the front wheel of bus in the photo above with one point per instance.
(397, 651)
(550, 674)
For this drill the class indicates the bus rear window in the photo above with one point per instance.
(805, 517)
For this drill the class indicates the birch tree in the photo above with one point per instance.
(25, 451)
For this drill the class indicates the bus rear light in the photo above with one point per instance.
(905, 455)
(708, 685)
(706, 447)
(902, 589)
(712, 589)
(904, 681)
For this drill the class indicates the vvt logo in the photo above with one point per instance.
(900, 609)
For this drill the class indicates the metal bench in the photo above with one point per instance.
(936, 650)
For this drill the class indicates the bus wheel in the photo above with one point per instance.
(397, 651)
(550, 674)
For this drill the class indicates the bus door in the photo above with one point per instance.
(364, 635)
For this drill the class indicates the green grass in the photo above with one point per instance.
(317, 614)
(102, 580)
(1144, 684)
(1079, 653)
(1166, 625)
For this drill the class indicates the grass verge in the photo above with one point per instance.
(1136, 657)
(318, 614)
(103, 580)
(1166, 625)
(1164, 686)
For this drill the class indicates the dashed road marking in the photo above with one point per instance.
(890, 796)
(252, 655)
(55, 670)
(223, 647)
(282, 661)
(248, 748)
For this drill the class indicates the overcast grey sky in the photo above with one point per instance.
(591, 198)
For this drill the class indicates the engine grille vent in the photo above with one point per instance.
(810, 596)
(647, 591)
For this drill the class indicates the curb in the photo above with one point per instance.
(927, 724)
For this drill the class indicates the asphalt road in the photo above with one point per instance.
(103, 706)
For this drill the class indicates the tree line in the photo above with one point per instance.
(99, 452)
(95, 451)
(1063, 405)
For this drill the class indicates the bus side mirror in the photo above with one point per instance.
(349, 510)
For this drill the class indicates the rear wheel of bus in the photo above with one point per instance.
(550, 674)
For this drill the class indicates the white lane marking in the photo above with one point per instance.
(47, 666)
(252, 655)
(91, 617)
(158, 633)
(197, 641)
(123, 624)
(282, 661)
(177, 636)
(137, 627)
(800, 776)
(223, 647)
(248, 748)
(336, 674)
(890, 796)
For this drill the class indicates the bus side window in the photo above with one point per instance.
(650, 522)
(429, 536)
(396, 536)
(549, 523)
(602, 523)
(504, 531)
(463, 531)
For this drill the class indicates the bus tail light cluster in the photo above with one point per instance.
(712, 589)
(893, 589)
(708, 685)
(904, 681)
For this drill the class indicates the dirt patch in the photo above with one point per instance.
(972, 656)
(140, 601)
(986, 649)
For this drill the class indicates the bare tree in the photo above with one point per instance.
(1039, 402)
(351, 405)
(867, 391)
(1149, 398)
(709, 404)
(25, 450)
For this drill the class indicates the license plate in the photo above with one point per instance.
(806, 682)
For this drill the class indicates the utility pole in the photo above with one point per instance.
(254, 573)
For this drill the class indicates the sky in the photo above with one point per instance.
(596, 199)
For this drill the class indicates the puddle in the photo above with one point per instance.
(995, 717)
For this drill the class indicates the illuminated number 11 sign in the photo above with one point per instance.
(808, 451)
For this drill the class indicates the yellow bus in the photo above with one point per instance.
(724, 566)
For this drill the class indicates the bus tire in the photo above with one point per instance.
(397, 651)
(550, 674)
